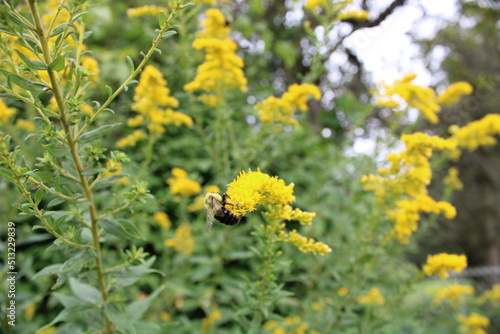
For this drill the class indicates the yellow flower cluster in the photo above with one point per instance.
(162, 219)
(473, 324)
(154, 104)
(357, 15)
(452, 294)
(314, 4)
(281, 111)
(452, 181)
(492, 296)
(222, 68)
(254, 188)
(25, 125)
(406, 179)
(291, 325)
(373, 297)
(422, 98)
(145, 10)
(440, 264)
(477, 133)
(183, 241)
(5, 112)
(454, 93)
(131, 139)
(306, 245)
(207, 322)
(181, 184)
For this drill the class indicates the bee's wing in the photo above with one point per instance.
(217, 208)
(210, 221)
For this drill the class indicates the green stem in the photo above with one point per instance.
(73, 146)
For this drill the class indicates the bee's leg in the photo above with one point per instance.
(235, 204)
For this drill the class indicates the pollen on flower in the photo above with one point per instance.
(181, 184)
(373, 297)
(254, 187)
(183, 241)
(440, 264)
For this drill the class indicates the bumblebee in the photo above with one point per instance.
(215, 204)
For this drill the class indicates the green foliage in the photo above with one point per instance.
(92, 253)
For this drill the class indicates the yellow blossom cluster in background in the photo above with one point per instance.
(254, 188)
(281, 111)
(452, 181)
(356, 15)
(222, 68)
(420, 97)
(291, 325)
(454, 93)
(440, 264)
(162, 219)
(406, 180)
(145, 10)
(181, 184)
(183, 241)
(373, 297)
(206, 323)
(5, 112)
(153, 103)
(473, 324)
(453, 294)
(477, 133)
(492, 296)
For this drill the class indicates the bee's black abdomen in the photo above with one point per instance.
(228, 218)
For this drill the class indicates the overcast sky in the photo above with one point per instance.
(386, 51)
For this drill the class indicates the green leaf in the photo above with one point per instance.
(60, 28)
(58, 64)
(24, 83)
(55, 201)
(168, 33)
(85, 292)
(122, 228)
(187, 5)
(109, 90)
(96, 133)
(162, 18)
(39, 195)
(136, 309)
(31, 63)
(120, 319)
(49, 270)
(130, 64)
